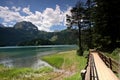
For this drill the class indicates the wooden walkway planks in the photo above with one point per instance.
(87, 75)
(104, 73)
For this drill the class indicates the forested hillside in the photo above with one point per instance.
(27, 33)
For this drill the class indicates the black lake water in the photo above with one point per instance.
(29, 56)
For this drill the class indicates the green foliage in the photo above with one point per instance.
(36, 42)
(116, 51)
(115, 54)
(11, 36)
(54, 38)
(64, 37)
(80, 52)
(107, 24)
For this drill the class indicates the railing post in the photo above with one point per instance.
(110, 63)
(83, 74)
(105, 60)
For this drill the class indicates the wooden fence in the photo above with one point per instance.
(91, 72)
(112, 64)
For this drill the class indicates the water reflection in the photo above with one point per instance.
(29, 56)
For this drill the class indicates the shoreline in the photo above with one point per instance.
(66, 68)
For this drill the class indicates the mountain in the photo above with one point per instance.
(26, 32)
(2, 25)
(35, 42)
(24, 25)
(22, 31)
(64, 37)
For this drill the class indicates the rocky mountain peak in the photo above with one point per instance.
(24, 25)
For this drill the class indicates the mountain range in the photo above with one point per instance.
(26, 33)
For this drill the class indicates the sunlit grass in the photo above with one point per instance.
(74, 77)
(9, 73)
(44, 70)
(69, 61)
(22, 73)
(55, 60)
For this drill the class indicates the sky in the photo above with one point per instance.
(47, 15)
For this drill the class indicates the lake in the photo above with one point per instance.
(29, 56)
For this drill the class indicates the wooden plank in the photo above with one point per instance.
(104, 73)
(115, 66)
(87, 75)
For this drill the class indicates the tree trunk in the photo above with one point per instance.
(80, 51)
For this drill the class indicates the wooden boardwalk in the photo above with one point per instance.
(99, 70)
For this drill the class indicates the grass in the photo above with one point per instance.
(74, 77)
(115, 54)
(22, 73)
(44, 70)
(67, 61)
(55, 60)
(9, 73)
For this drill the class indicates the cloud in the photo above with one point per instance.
(27, 10)
(16, 9)
(9, 15)
(52, 17)
(43, 20)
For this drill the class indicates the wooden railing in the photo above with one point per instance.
(112, 64)
(93, 71)
(90, 72)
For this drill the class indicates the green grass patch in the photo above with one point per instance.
(19, 73)
(115, 54)
(55, 60)
(74, 77)
(44, 70)
(68, 60)
(9, 73)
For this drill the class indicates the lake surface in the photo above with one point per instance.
(29, 56)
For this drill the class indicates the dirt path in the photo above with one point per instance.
(65, 73)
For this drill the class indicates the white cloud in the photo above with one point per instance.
(9, 15)
(16, 8)
(52, 17)
(27, 10)
(43, 20)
